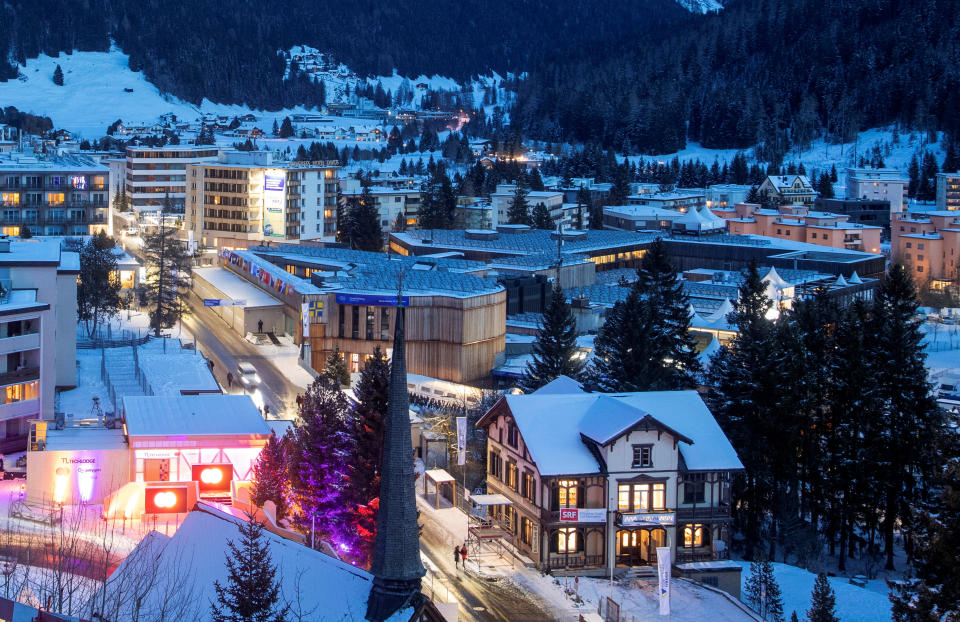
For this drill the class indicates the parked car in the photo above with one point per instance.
(248, 375)
(132, 231)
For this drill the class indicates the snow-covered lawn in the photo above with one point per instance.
(854, 604)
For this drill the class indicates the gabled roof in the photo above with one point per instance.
(552, 425)
(560, 384)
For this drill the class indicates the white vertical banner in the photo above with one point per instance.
(461, 441)
(663, 572)
(305, 318)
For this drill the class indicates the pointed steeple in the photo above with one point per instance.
(396, 568)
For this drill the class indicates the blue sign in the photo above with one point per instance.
(371, 300)
(273, 182)
(211, 302)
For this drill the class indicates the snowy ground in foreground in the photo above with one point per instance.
(854, 604)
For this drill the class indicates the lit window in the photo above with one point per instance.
(55, 198)
(693, 536)
(567, 493)
(567, 540)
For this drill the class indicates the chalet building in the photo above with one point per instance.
(788, 190)
(596, 482)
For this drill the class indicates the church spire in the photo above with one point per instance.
(396, 565)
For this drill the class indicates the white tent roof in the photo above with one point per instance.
(490, 500)
(855, 279)
(701, 219)
(774, 278)
(840, 282)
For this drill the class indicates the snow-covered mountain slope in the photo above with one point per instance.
(701, 6)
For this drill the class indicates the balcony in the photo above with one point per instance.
(721, 511)
(701, 555)
(26, 374)
(20, 343)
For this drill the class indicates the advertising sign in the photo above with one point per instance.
(273, 182)
(165, 500)
(664, 519)
(372, 300)
(583, 515)
(663, 574)
(305, 318)
(212, 477)
(461, 441)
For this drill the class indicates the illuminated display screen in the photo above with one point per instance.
(273, 182)
(79, 182)
(212, 477)
(165, 500)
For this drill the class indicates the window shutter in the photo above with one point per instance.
(580, 491)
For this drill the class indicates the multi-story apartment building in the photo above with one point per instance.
(725, 195)
(948, 191)
(52, 195)
(877, 184)
(392, 198)
(244, 199)
(788, 190)
(154, 173)
(38, 324)
(681, 200)
(597, 482)
(929, 243)
(503, 197)
(802, 225)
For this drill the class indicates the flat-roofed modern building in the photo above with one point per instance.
(878, 184)
(53, 195)
(948, 191)
(38, 324)
(154, 173)
(245, 198)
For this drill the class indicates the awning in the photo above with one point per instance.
(490, 500)
(439, 476)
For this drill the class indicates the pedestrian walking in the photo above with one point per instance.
(266, 410)
(463, 555)
(229, 380)
(259, 326)
(456, 556)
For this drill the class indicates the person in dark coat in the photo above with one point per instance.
(456, 556)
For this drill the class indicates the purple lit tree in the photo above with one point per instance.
(320, 473)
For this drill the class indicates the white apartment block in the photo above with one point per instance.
(503, 197)
(392, 198)
(877, 184)
(948, 191)
(154, 173)
(245, 199)
(38, 324)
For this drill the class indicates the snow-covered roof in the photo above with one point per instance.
(194, 558)
(560, 385)
(552, 425)
(193, 415)
(236, 288)
(701, 219)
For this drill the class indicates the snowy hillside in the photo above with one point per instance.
(700, 6)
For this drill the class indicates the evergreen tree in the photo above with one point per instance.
(541, 217)
(534, 180)
(364, 218)
(25, 233)
(98, 285)
(286, 128)
(518, 212)
(913, 172)
(762, 593)
(927, 188)
(58, 76)
(370, 410)
(743, 397)
(753, 196)
(951, 161)
(825, 186)
(934, 594)
(320, 473)
(645, 344)
(823, 602)
(906, 402)
(120, 202)
(271, 482)
(168, 271)
(438, 202)
(335, 368)
(252, 592)
(555, 351)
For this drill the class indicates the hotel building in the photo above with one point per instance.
(154, 173)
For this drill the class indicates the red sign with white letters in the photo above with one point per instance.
(569, 514)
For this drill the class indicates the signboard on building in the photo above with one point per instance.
(583, 515)
(305, 318)
(663, 574)
(461, 441)
(274, 204)
(663, 519)
(216, 302)
(372, 300)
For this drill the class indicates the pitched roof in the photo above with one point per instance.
(552, 424)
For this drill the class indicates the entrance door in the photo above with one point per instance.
(638, 547)
(156, 470)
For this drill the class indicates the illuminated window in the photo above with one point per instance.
(567, 493)
(55, 198)
(512, 472)
(695, 536)
(21, 392)
(641, 497)
(10, 198)
(567, 540)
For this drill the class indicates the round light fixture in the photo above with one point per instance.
(165, 499)
(211, 476)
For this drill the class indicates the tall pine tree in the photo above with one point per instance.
(823, 602)
(168, 271)
(518, 212)
(555, 351)
(251, 593)
(370, 409)
(271, 481)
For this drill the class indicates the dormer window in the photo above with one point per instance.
(642, 456)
